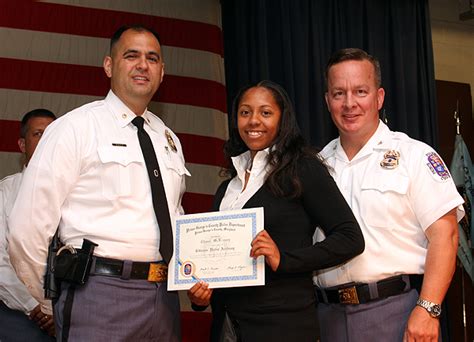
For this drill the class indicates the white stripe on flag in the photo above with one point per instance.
(90, 51)
(180, 118)
(10, 163)
(204, 179)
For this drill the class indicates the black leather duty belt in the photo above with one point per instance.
(363, 293)
(151, 271)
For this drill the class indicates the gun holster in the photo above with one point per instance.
(73, 265)
(51, 286)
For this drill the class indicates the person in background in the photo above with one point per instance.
(91, 177)
(20, 316)
(405, 201)
(272, 167)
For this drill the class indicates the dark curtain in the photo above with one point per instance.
(290, 41)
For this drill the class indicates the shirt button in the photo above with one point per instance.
(124, 116)
(156, 173)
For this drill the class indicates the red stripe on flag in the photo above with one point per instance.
(10, 132)
(196, 203)
(89, 80)
(198, 149)
(192, 91)
(83, 21)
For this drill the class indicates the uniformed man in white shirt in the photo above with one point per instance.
(407, 206)
(20, 316)
(89, 176)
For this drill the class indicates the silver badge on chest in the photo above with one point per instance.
(390, 160)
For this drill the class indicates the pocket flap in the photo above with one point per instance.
(383, 183)
(174, 162)
(117, 154)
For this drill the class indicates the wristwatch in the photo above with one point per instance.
(433, 309)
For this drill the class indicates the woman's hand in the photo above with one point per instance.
(200, 294)
(264, 245)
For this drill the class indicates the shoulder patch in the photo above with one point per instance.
(437, 167)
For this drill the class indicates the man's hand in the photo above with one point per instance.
(264, 245)
(44, 321)
(36, 314)
(421, 327)
(47, 324)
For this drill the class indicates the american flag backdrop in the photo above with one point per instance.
(51, 55)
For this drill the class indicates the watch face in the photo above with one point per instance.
(435, 310)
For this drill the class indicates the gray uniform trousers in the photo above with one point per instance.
(15, 326)
(381, 320)
(115, 309)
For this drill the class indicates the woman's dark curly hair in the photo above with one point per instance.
(287, 149)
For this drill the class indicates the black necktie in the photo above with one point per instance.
(160, 204)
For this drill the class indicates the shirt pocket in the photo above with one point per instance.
(175, 163)
(173, 171)
(116, 173)
(383, 198)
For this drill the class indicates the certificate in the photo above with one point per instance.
(215, 247)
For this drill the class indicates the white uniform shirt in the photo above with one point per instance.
(235, 197)
(12, 291)
(88, 176)
(394, 207)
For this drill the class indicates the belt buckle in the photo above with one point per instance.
(158, 272)
(348, 295)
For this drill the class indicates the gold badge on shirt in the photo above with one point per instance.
(171, 143)
(390, 159)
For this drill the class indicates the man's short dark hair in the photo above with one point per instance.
(354, 54)
(135, 27)
(35, 113)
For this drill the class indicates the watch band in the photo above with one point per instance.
(433, 309)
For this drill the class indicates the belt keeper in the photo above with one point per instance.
(373, 290)
(94, 260)
(126, 270)
(406, 279)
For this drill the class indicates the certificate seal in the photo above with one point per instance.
(187, 269)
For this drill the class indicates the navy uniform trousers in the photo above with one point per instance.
(115, 309)
(15, 326)
(381, 320)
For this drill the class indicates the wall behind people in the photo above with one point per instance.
(51, 56)
(453, 43)
(290, 41)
